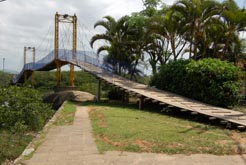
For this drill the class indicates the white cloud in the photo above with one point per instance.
(27, 22)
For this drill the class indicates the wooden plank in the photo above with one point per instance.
(235, 115)
(241, 119)
(194, 113)
(183, 110)
(207, 109)
(241, 127)
(223, 122)
(170, 106)
(212, 118)
(147, 98)
(197, 106)
(185, 102)
(155, 101)
(220, 112)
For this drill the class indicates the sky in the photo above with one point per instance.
(31, 23)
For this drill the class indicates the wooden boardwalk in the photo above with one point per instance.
(171, 100)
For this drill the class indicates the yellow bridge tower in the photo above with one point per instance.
(65, 18)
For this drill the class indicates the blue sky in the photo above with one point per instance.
(240, 3)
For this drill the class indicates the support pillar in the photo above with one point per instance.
(141, 102)
(125, 97)
(58, 73)
(99, 91)
(25, 74)
(33, 76)
(71, 83)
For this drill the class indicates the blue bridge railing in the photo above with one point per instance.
(65, 55)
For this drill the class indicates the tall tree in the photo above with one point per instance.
(196, 18)
(114, 34)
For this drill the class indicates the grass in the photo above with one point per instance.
(12, 145)
(240, 108)
(66, 117)
(126, 128)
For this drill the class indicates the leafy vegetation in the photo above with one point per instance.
(21, 113)
(126, 128)
(5, 79)
(209, 80)
(22, 109)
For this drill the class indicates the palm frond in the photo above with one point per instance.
(103, 24)
(99, 37)
(103, 48)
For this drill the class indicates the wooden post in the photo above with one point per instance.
(141, 102)
(126, 97)
(99, 91)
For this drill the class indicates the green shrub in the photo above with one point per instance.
(171, 76)
(209, 80)
(5, 79)
(22, 108)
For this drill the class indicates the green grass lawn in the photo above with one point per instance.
(12, 145)
(240, 108)
(126, 128)
(66, 116)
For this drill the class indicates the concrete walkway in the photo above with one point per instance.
(71, 145)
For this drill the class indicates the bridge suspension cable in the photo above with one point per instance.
(44, 46)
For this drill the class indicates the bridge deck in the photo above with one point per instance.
(164, 97)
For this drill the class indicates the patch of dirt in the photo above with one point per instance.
(240, 142)
(100, 116)
(102, 124)
(175, 145)
(224, 142)
(144, 145)
(240, 138)
(92, 109)
(108, 141)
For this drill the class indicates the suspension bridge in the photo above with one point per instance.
(87, 61)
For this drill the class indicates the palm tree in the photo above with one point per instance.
(114, 34)
(197, 16)
(234, 20)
